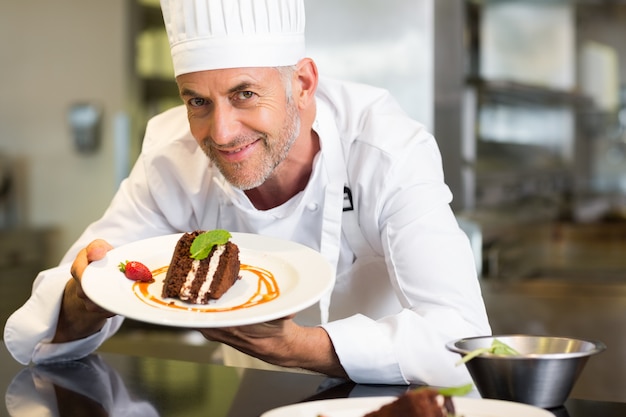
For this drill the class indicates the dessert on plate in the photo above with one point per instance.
(204, 265)
(421, 402)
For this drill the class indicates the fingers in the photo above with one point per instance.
(267, 330)
(270, 341)
(78, 266)
(282, 319)
(95, 251)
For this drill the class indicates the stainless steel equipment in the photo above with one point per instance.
(543, 374)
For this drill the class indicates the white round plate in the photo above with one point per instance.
(298, 278)
(358, 407)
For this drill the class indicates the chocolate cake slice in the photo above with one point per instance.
(198, 281)
(421, 402)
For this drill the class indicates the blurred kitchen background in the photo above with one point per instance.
(527, 99)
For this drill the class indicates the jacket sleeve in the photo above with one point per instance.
(29, 330)
(133, 214)
(428, 272)
(160, 196)
(440, 301)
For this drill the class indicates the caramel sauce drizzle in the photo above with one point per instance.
(267, 290)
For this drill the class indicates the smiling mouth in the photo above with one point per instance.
(237, 150)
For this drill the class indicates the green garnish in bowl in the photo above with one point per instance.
(497, 348)
(459, 391)
(204, 242)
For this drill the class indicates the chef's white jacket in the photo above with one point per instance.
(406, 280)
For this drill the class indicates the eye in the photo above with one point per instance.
(244, 95)
(197, 102)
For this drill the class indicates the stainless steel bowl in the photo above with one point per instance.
(542, 375)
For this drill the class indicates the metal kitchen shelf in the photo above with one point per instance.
(510, 92)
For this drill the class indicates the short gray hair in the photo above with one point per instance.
(286, 75)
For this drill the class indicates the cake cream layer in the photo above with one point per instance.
(196, 274)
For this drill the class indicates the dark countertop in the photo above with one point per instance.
(106, 383)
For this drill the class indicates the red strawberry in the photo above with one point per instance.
(136, 271)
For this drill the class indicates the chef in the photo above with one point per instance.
(262, 144)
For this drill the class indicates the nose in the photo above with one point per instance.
(224, 125)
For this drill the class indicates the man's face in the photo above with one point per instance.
(242, 119)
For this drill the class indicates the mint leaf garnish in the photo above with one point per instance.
(204, 242)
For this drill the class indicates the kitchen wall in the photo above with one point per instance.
(607, 27)
(54, 54)
(387, 43)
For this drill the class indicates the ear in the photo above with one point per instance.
(306, 79)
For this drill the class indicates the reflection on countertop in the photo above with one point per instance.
(106, 384)
(114, 384)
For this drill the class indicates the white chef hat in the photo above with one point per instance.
(215, 34)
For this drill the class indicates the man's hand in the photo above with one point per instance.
(282, 342)
(79, 316)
